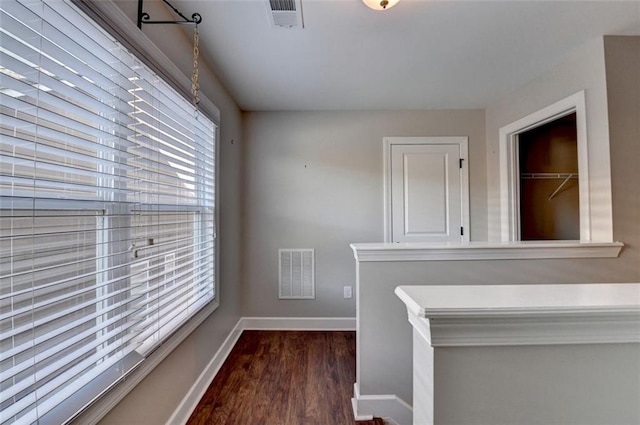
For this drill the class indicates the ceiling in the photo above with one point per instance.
(421, 54)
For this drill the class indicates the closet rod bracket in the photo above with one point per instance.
(555, 192)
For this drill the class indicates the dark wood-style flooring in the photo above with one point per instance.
(284, 378)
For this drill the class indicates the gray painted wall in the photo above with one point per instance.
(622, 56)
(583, 70)
(154, 400)
(538, 385)
(384, 366)
(315, 180)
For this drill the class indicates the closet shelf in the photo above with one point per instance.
(549, 175)
(564, 176)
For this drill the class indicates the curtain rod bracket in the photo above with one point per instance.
(144, 18)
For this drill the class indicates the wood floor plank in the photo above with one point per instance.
(284, 378)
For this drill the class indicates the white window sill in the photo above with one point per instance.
(364, 252)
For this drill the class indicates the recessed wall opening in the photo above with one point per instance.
(548, 189)
(562, 201)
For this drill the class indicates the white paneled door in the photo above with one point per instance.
(426, 187)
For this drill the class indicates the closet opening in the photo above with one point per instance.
(548, 180)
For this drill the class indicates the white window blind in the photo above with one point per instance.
(106, 211)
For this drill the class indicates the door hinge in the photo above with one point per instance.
(461, 159)
(462, 231)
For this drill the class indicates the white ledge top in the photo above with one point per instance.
(364, 252)
(438, 301)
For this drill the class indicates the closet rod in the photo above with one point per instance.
(549, 175)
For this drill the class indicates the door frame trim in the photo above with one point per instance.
(509, 172)
(461, 141)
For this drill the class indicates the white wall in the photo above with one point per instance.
(315, 180)
(384, 365)
(154, 400)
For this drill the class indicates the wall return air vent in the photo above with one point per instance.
(297, 274)
(285, 13)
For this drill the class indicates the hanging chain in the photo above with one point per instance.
(195, 84)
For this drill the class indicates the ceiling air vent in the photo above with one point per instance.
(285, 13)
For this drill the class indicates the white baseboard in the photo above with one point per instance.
(391, 408)
(354, 404)
(196, 392)
(299, 323)
(198, 389)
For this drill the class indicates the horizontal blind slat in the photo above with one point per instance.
(41, 373)
(44, 116)
(62, 94)
(45, 320)
(41, 339)
(22, 23)
(62, 346)
(52, 137)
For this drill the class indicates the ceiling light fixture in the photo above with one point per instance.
(380, 4)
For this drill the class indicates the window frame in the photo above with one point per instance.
(94, 412)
